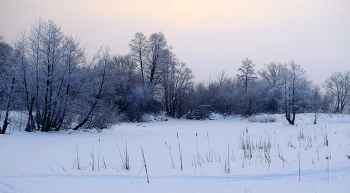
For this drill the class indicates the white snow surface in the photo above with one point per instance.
(47, 162)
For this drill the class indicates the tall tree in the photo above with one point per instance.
(295, 88)
(176, 85)
(49, 63)
(247, 78)
(156, 54)
(26, 75)
(138, 47)
(272, 73)
(7, 81)
(6, 67)
(338, 85)
(246, 73)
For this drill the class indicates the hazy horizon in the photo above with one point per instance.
(209, 37)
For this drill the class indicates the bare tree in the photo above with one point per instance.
(272, 72)
(7, 81)
(177, 85)
(6, 67)
(247, 73)
(295, 88)
(156, 51)
(338, 85)
(6, 122)
(26, 76)
(49, 62)
(247, 79)
(138, 47)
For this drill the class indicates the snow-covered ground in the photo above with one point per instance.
(212, 154)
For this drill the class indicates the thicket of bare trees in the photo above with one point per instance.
(47, 75)
(276, 88)
(59, 88)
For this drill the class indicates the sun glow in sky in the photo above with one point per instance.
(209, 36)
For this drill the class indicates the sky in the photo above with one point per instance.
(209, 36)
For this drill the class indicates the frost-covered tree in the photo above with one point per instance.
(272, 74)
(6, 69)
(246, 73)
(227, 96)
(7, 81)
(138, 46)
(6, 52)
(127, 93)
(59, 57)
(247, 79)
(338, 86)
(295, 89)
(169, 81)
(176, 86)
(53, 73)
(26, 78)
(157, 53)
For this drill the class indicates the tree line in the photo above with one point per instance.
(48, 75)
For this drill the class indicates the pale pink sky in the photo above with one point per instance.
(209, 36)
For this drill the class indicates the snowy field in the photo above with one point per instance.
(222, 155)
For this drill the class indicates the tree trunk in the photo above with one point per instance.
(293, 119)
(6, 123)
(315, 119)
(141, 65)
(30, 123)
(289, 119)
